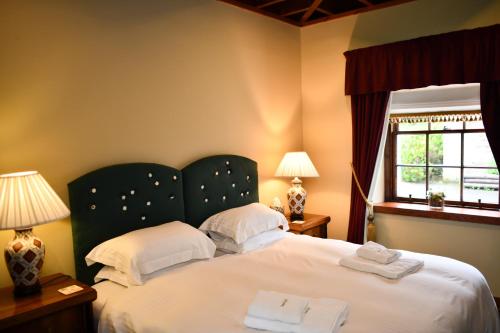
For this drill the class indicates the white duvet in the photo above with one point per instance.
(213, 296)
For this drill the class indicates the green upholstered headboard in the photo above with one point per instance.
(114, 200)
(217, 183)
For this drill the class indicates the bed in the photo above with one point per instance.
(213, 295)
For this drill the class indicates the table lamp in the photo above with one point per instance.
(27, 200)
(296, 164)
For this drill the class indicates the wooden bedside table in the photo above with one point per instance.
(49, 310)
(314, 225)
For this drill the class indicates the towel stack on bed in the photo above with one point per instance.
(279, 312)
(375, 258)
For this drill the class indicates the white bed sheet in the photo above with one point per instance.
(212, 296)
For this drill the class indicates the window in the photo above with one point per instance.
(446, 152)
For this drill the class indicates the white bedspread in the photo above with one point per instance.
(213, 296)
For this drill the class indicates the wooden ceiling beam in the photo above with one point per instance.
(259, 11)
(269, 3)
(324, 11)
(366, 2)
(356, 11)
(293, 12)
(310, 11)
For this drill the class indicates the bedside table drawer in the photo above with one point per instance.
(314, 232)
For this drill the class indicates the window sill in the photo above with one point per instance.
(482, 216)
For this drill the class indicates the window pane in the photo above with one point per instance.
(477, 150)
(452, 125)
(413, 127)
(411, 180)
(446, 180)
(411, 149)
(444, 149)
(474, 124)
(481, 184)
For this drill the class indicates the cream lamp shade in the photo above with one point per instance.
(296, 164)
(27, 200)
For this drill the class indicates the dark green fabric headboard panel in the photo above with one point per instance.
(114, 200)
(217, 183)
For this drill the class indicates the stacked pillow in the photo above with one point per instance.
(130, 257)
(246, 228)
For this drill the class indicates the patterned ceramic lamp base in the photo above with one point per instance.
(296, 200)
(24, 256)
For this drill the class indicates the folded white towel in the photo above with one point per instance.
(273, 305)
(377, 252)
(323, 316)
(394, 270)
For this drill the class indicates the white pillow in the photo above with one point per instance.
(227, 244)
(241, 223)
(147, 250)
(110, 273)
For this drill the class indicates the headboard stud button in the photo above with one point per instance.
(242, 194)
(124, 208)
(202, 187)
(143, 218)
(148, 203)
(174, 178)
(248, 178)
(206, 200)
(223, 198)
(93, 207)
(132, 192)
(172, 197)
(216, 173)
(229, 171)
(227, 162)
(93, 190)
(157, 183)
(150, 175)
(233, 185)
(124, 197)
(248, 192)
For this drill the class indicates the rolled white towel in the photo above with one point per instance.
(394, 270)
(377, 252)
(324, 315)
(282, 307)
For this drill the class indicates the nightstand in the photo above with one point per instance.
(49, 310)
(314, 225)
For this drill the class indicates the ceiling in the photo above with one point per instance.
(306, 12)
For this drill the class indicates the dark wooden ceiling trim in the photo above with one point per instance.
(258, 11)
(290, 11)
(357, 11)
(365, 2)
(293, 12)
(310, 11)
(269, 3)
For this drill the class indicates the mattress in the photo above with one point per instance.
(213, 295)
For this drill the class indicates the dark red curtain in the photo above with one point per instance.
(490, 111)
(368, 113)
(465, 56)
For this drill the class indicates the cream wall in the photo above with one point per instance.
(85, 84)
(327, 125)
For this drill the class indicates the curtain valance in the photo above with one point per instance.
(435, 117)
(464, 56)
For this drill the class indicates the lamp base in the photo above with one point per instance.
(296, 200)
(24, 256)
